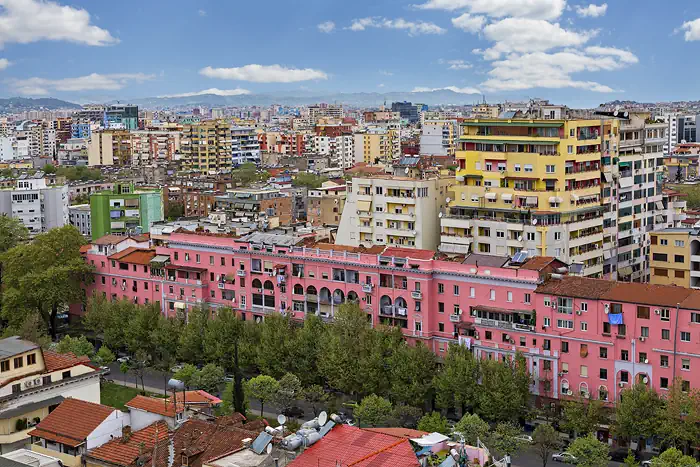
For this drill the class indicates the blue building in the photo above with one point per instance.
(80, 130)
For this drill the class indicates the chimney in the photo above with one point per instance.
(126, 432)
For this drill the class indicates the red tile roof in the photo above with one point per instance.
(125, 451)
(408, 253)
(134, 255)
(537, 263)
(204, 441)
(352, 446)
(60, 361)
(109, 239)
(155, 405)
(399, 432)
(197, 397)
(72, 421)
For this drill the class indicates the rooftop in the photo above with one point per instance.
(134, 255)
(60, 361)
(14, 346)
(72, 421)
(196, 397)
(126, 450)
(155, 405)
(491, 261)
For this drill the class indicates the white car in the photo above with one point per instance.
(564, 457)
(646, 464)
(524, 439)
(124, 359)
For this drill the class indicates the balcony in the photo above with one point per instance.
(416, 295)
(240, 273)
(313, 298)
(367, 288)
(456, 239)
(455, 318)
(399, 200)
(492, 323)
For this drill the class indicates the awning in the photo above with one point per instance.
(659, 205)
(430, 440)
(160, 259)
(624, 165)
(626, 182)
(637, 149)
(364, 206)
(607, 176)
(531, 200)
(507, 197)
(490, 196)
(180, 305)
(555, 199)
(626, 271)
(248, 206)
(659, 218)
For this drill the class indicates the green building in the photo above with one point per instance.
(124, 210)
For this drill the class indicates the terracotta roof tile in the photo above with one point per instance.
(408, 253)
(126, 450)
(72, 421)
(579, 287)
(350, 445)
(399, 432)
(134, 255)
(154, 405)
(537, 263)
(60, 361)
(109, 239)
(197, 397)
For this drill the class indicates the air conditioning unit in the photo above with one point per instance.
(607, 308)
(657, 311)
(646, 361)
(645, 380)
(28, 384)
(622, 385)
(642, 339)
(578, 312)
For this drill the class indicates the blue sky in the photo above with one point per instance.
(577, 53)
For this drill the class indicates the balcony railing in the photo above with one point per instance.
(504, 324)
(416, 295)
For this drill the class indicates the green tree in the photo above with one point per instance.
(315, 396)
(139, 363)
(504, 439)
(175, 211)
(104, 356)
(583, 417)
(209, 378)
(263, 388)
(49, 169)
(248, 173)
(193, 336)
(472, 428)
(373, 410)
(680, 417)
(107, 319)
(140, 329)
(125, 368)
(638, 414)
(186, 375)
(546, 442)
(79, 346)
(673, 458)
(32, 328)
(12, 233)
(44, 276)
(308, 180)
(504, 390)
(434, 422)
(589, 452)
(406, 416)
(630, 460)
(307, 350)
(289, 391)
(275, 354)
(456, 385)
(376, 355)
(165, 337)
(412, 370)
(228, 405)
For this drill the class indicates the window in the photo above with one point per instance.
(645, 331)
(531, 236)
(695, 317)
(685, 336)
(685, 364)
(565, 305)
(643, 357)
(603, 373)
(603, 352)
(455, 308)
(527, 298)
(643, 312)
(546, 322)
(549, 169)
(663, 383)
(441, 288)
(455, 290)
(685, 386)
(584, 326)
(665, 314)
(666, 334)
(472, 292)
(663, 361)
(492, 294)
(570, 149)
(441, 307)
(624, 377)
(547, 365)
(18, 362)
(547, 344)
(606, 328)
(509, 296)
(679, 274)
(441, 327)
(565, 324)
(500, 234)
(528, 167)
(584, 371)
(564, 347)
(31, 359)
(517, 167)
(680, 243)
(624, 355)
(16, 388)
(557, 236)
(664, 242)
(678, 258)
(5, 365)
(488, 335)
(621, 329)
(659, 257)
(65, 374)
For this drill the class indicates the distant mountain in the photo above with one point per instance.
(360, 99)
(20, 104)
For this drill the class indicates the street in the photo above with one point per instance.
(153, 381)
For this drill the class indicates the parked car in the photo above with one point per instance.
(620, 454)
(105, 370)
(124, 359)
(524, 439)
(176, 368)
(564, 457)
(646, 464)
(294, 412)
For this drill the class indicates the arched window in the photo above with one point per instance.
(603, 393)
(269, 285)
(311, 290)
(338, 297)
(298, 289)
(257, 284)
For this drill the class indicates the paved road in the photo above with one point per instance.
(531, 459)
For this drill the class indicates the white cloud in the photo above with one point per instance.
(469, 23)
(524, 35)
(25, 21)
(264, 74)
(592, 11)
(448, 88)
(91, 82)
(456, 64)
(4, 63)
(414, 28)
(214, 91)
(202, 13)
(537, 9)
(555, 70)
(692, 30)
(386, 73)
(380, 85)
(326, 26)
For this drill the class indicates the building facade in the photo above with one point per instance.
(245, 146)
(124, 210)
(152, 147)
(38, 206)
(438, 137)
(79, 217)
(109, 147)
(206, 147)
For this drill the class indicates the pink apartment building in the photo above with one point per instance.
(581, 337)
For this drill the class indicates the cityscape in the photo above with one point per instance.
(451, 233)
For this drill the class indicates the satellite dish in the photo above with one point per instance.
(268, 449)
(406, 170)
(440, 215)
(615, 113)
(448, 200)
(322, 418)
(281, 419)
(534, 221)
(520, 238)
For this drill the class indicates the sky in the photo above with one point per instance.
(571, 52)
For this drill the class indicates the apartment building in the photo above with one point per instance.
(397, 209)
(377, 144)
(255, 204)
(110, 147)
(285, 142)
(532, 185)
(675, 206)
(438, 137)
(28, 139)
(124, 210)
(206, 147)
(340, 148)
(675, 257)
(73, 152)
(326, 204)
(245, 146)
(581, 337)
(153, 146)
(381, 116)
(332, 111)
(33, 382)
(38, 206)
(79, 217)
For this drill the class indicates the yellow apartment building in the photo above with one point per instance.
(206, 147)
(675, 257)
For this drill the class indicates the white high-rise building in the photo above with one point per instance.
(38, 206)
(245, 146)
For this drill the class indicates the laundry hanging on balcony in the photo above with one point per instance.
(615, 318)
(465, 341)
